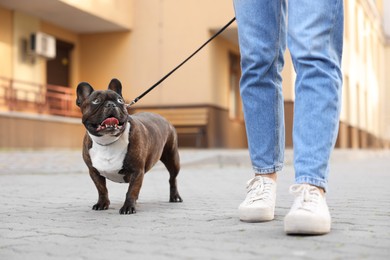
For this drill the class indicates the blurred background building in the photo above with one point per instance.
(48, 46)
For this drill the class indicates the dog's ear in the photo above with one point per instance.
(83, 92)
(115, 85)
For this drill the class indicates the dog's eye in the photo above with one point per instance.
(96, 101)
(120, 101)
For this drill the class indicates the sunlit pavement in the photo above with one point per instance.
(46, 199)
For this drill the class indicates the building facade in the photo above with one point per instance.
(365, 117)
(138, 42)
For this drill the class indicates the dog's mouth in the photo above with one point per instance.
(110, 123)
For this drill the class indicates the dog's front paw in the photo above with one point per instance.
(128, 208)
(175, 198)
(101, 205)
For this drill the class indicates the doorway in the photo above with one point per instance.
(58, 91)
(58, 69)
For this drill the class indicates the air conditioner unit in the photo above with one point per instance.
(43, 44)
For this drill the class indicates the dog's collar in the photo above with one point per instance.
(108, 140)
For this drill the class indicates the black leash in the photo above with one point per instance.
(178, 66)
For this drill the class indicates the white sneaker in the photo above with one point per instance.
(309, 214)
(259, 204)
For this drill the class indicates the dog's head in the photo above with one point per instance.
(104, 111)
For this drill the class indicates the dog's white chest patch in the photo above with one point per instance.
(108, 159)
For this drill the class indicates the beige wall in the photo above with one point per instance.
(105, 56)
(288, 76)
(220, 71)
(116, 11)
(385, 106)
(25, 67)
(6, 39)
(194, 82)
(160, 40)
(43, 132)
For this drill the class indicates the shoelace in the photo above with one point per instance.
(307, 196)
(258, 189)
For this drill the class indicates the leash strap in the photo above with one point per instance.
(178, 66)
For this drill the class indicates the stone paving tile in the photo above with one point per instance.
(46, 199)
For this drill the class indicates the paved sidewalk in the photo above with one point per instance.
(46, 199)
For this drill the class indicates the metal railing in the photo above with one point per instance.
(24, 96)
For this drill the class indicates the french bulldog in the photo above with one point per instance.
(122, 147)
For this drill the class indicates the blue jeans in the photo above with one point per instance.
(314, 35)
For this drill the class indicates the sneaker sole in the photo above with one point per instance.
(252, 215)
(294, 227)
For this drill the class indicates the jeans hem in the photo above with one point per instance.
(312, 181)
(268, 170)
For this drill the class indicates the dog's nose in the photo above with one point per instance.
(110, 104)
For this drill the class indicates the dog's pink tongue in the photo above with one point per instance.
(110, 121)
